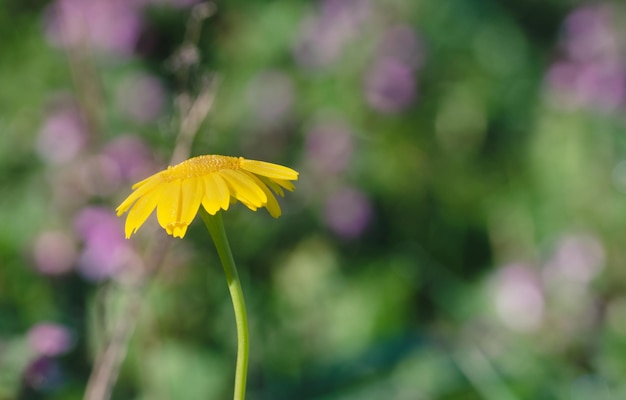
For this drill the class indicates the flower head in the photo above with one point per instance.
(210, 181)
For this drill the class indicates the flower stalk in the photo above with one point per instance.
(209, 184)
(215, 226)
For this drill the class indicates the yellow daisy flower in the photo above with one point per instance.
(212, 181)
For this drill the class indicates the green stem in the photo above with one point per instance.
(215, 226)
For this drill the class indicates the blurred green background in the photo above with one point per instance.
(457, 231)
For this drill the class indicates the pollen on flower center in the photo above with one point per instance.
(199, 166)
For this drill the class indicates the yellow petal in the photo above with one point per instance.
(216, 194)
(168, 209)
(270, 170)
(149, 184)
(179, 230)
(213, 181)
(141, 210)
(286, 184)
(274, 186)
(148, 179)
(249, 205)
(244, 188)
(272, 205)
(192, 191)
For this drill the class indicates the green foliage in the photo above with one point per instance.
(456, 231)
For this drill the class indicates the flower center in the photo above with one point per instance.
(200, 166)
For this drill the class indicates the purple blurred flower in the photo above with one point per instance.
(518, 297)
(603, 85)
(329, 147)
(44, 374)
(270, 96)
(98, 176)
(108, 25)
(562, 76)
(62, 136)
(54, 253)
(105, 252)
(323, 36)
(49, 339)
(590, 35)
(577, 258)
(595, 85)
(131, 157)
(401, 43)
(390, 86)
(180, 3)
(170, 3)
(593, 74)
(347, 212)
(141, 97)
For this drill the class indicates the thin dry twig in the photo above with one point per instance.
(108, 362)
(195, 115)
(106, 366)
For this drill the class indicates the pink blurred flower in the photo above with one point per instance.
(329, 147)
(518, 297)
(577, 259)
(347, 212)
(594, 85)
(106, 253)
(107, 25)
(590, 35)
(98, 176)
(592, 75)
(390, 86)
(62, 136)
(169, 3)
(131, 156)
(50, 339)
(141, 97)
(54, 253)
(401, 43)
(324, 35)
